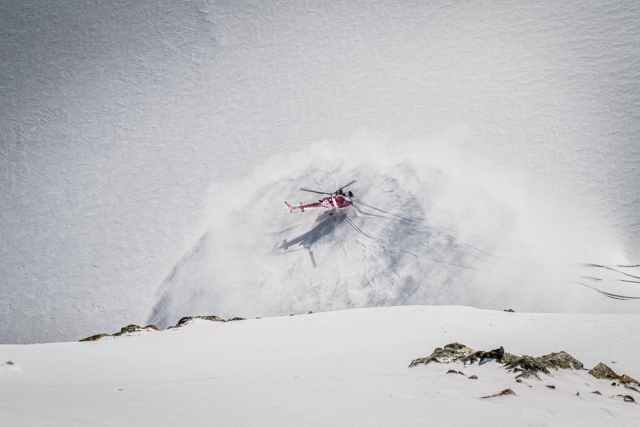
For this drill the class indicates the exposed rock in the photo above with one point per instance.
(95, 337)
(455, 346)
(562, 360)
(187, 319)
(551, 387)
(211, 318)
(311, 312)
(626, 380)
(502, 393)
(529, 366)
(457, 352)
(597, 392)
(498, 354)
(451, 371)
(292, 314)
(437, 353)
(473, 377)
(509, 310)
(627, 398)
(135, 328)
(525, 366)
(127, 329)
(450, 352)
(602, 371)
(236, 318)
(509, 358)
(493, 354)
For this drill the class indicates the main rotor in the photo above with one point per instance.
(324, 193)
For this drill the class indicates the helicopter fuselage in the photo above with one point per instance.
(329, 202)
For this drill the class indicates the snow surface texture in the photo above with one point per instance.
(116, 118)
(427, 226)
(340, 368)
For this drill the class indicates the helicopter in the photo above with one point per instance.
(336, 200)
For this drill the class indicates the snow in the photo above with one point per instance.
(428, 225)
(121, 122)
(146, 148)
(337, 368)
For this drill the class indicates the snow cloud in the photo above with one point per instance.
(430, 224)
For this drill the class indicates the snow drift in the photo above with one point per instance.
(340, 368)
(429, 225)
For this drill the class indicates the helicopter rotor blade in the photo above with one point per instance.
(345, 186)
(313, 191)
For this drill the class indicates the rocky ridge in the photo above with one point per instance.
(126, 330)
(136, 328)
(524, 366)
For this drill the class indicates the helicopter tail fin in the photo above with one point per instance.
(291, 208)
(295, 208)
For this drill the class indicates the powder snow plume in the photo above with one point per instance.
(429, 225)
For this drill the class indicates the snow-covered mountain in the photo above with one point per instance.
(340, 368)
(429, 225)
(147, 146)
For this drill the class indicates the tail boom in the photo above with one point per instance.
(300, 208)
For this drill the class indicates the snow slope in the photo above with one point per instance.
(428, 225)
(117, 117)
(339, 368)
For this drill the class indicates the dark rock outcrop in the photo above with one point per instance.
(525, 366)
(187, 319)
(95, 337)
(133, 328)
(126, 330)
(457, 352)
(450, 353)
(627, 398)
(505, 392)
(602, 371)
(562, 360)
(509, 310)
(529, 367)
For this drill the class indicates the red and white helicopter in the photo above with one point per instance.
(337, 200)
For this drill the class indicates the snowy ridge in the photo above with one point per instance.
(340, 368)
(429, 225)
